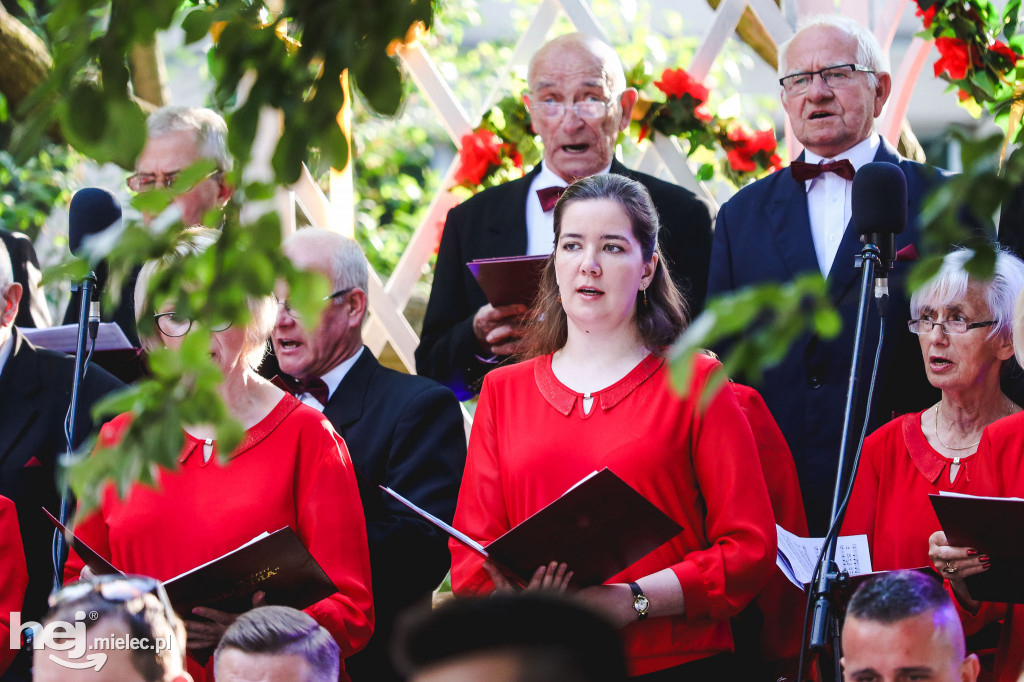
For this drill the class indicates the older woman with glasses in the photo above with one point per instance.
(291, 469)
(964, 327)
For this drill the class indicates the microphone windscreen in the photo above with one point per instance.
(879, 201)
(92, 210)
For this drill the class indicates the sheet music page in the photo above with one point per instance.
(798, 556)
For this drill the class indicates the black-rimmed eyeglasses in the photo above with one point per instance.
(174, 325)
(947, 326)
(834, 77)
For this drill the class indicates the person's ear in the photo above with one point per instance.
(882, 91)
(526, 103)
(1005, 349)
(11, 299)
(650, 267)
(224, 191)
(357, 300)
(627, 101)
(970, 669)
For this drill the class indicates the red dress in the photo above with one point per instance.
(531, 441)
(898, 470)
(780, 599)
(291, 469)
(13, 578)
(1002, 444)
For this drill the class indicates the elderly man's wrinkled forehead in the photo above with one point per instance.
(582, 52)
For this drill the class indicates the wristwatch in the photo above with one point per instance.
(641, 604)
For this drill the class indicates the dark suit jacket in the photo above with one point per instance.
(33, 311)
(763, 234)
(35, 390)
(492, 224)
(404, 432)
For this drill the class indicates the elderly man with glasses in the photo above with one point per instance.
(835, 82)
(578, 103)
(403, 431)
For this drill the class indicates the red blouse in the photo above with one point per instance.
(898, 470)
(13, 578)
(531, 441)
(291, 469)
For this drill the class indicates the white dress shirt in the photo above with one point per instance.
(5, 351)
(829, 200)
(333, 379)
(540, 225)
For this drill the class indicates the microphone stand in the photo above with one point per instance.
(87, 291)
(825, 623)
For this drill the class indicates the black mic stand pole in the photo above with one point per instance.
(59, 541)
(825, 624)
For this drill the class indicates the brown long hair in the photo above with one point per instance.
(660, 321)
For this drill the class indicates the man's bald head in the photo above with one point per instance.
(577, 44)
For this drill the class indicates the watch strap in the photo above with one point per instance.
(640, 602)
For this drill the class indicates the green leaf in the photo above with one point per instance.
(196, 24)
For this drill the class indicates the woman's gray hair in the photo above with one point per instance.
(209, 128)
(869, 51)
(950, 284)
(280, 630)
(194, 241)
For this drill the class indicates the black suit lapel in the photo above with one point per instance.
(844, 271)
(508, 233)
(19, 383)
(345, 406)
(790, 224)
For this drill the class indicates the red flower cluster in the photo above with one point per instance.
(480, 153)
(957, 57)
(746, 146)
(927, 15)
(676, 83)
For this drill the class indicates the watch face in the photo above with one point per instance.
(641, 604)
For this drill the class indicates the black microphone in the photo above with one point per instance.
(879, 209)
(92, 211)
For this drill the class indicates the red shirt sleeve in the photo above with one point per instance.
(719, 581)
(481, 510)
(13, 578)
(333, 528)
(863, 505)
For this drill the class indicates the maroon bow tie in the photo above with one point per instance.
(803, 171)
(315, 387)
(549, 197)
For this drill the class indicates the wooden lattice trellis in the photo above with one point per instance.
(389, 298)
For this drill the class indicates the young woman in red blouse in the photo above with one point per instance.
(596, 394)
(291, 469)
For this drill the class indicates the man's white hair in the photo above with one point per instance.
(6, 272)
(209, 128)
(869, 51)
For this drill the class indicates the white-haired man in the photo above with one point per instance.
(403, 431)
(835, 82)
(579, 103)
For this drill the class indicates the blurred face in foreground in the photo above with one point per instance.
(927, 647)
(163, 158)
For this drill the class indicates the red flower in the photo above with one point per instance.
(927, 15)
(740, 134)
(963, 95)
(955, 58)
(775, 161)
(480, 151)
(763, 141)
(676, 83)
(741, 162)
(1004, 51)
(703, 113)
(644, 131)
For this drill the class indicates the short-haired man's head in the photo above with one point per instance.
(845, 85)
(208, 127)
(193, 242)
(330, 253)
(510, 638)
(579, 103)
(145, 616)
(869, 50)
(903, 625)
(279, 631)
